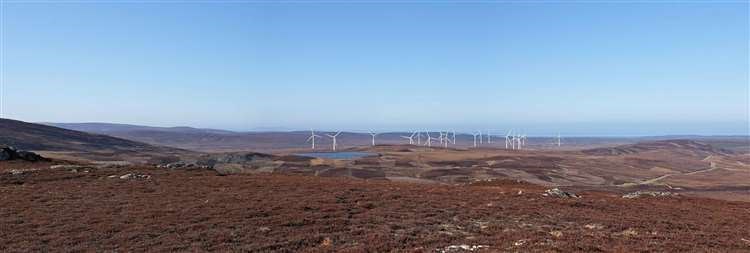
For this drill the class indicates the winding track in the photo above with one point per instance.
(708, 158)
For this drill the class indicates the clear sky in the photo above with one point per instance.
(577, 68)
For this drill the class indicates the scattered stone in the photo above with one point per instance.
(264, 229)
(746, 241)
(628, 232)
(482, 224)
(182, 165)
(134, 176)
(519, 242)
(461, 248)
(10, 153)
(327, 242)
(520, 192)
(112, 176)
(71, 168)
(556, 234)
(639, 194)
(556, 192)
(17, 172)
(593, 226)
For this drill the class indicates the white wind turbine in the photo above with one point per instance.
(334, 139)
(558, 139)
(410, 138)
(454, 137)
(489, 137)
(419, 137)
(475, 139)
(373, 134)
(312, 138)
(518, 141)
(508, 140)
(446, 140)
(428, 142)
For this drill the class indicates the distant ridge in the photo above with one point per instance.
(680, 144)
(108, 128)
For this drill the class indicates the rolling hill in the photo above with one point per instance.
(65, 143)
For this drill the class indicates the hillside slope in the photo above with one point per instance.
(38, 137)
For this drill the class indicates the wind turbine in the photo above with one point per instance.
(428, 142)
(518, 141)
(481, 140)
(508, 139)
(454, 137)
(410, 138)
(475, 139)
(489, 137)
(419, 137)
(312, 138)
(334, 139)
(558, 139)
(373, 134)
(446, 140)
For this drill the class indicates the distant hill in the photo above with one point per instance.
(110, 128)
(698, 148)
(39, 137)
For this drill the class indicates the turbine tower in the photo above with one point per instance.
(428, 142)
(419, 137)
(373, 134)
(558, 139)
(518, 141)
(312, 138)
(475, 139)
(334, 139)
(508, 140)
(446, 140)
(489, 137)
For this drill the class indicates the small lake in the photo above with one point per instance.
(337, 155)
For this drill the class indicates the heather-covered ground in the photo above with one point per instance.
(61, 210)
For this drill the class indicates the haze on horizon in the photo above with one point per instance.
(574, 68)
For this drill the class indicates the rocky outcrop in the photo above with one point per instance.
(639, 194)
(556, 192)
(10, 153)
(183, 165)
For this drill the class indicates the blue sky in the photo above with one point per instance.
(575, 68)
